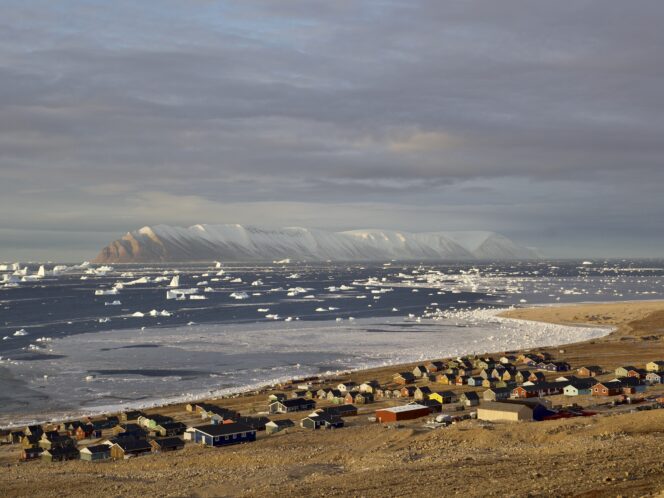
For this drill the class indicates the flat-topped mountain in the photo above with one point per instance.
(164, 243)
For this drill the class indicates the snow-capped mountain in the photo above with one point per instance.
(239, 243)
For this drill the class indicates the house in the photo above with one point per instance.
(30, 453)
(496, 394)
(152, 421)
(163, 444)
(611, 388)
(443, 397)
(256, 423)
(521, 376)
(15, 437)
(408, 391)
(497, 372)
(433, 405)
(421, 393)
(53, 439)
(507, 359)
(504, 412)
(404, 412)
(275, 426)
(655, 366)
(631, 385)
(624, 371)
(369, 386)
(404, 378)
(419, 371)
(579, 387)
(292, 405)
(538, 389)
(363, 399)
(130, 447)
(339, 411)
(224, 434)
(83, 432)
(322, 420)
(460, 380)
(281, 396)
(589, 371)
(537, 377)
(320, 394)
(96, 453)
(489, 383)
(469, 398)
(653, 377)
(131, 416)
(475, 381)
(345, 387)
(335, 396)
(60, 453)
(637, 373)
(169, 429)
(434, 366)
(446, 378)
(34, 430)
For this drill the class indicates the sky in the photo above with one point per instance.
(541, 120)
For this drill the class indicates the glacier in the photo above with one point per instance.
(232, 242)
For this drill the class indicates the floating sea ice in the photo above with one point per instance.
(256, 283)
(360, 297)
(395, 309)
(197, 297)
(237, 280)
(351, 318)
(319, 310)
(416, 290)
(310, 296)
(106, 292)
(5, 338)
(263, 310)
(240, 295)
(293, 276)
(20, 332)
(165, 313)
(104, 320)
(202, 283)
(191, 323)
(523, 301)
(339, 319)
(153, 313)
(272, 316)
(113, 303)
(175, 281)
(138, 314)
(288, 319)
(256, 293)
(208, 289)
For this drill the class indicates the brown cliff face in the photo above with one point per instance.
(130, 249)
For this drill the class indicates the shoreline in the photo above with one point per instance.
(234, 393)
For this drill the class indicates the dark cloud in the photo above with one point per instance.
(539, 119)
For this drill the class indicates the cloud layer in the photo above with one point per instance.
(542, 120)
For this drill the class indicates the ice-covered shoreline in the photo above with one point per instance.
(350, 346)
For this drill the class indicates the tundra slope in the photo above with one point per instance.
(164, 243)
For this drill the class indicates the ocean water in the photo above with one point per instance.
(65, 350)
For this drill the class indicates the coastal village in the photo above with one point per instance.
(527, 387)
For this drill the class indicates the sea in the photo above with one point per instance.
(82, 339)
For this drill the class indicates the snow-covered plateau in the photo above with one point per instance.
(163, 243)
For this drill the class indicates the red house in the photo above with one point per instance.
(405, 412)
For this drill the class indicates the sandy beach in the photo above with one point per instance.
(613, 453)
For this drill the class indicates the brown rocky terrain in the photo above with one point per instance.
(616, 453)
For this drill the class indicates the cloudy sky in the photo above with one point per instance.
(541, 120)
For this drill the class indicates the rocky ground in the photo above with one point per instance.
(607, 455)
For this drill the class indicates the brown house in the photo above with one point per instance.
(589, 371)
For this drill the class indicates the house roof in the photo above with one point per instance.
(403, 408)
(282, 423)
(133, 444)
(223, 429)
(169, 442)
(98, 448)
(296, 402)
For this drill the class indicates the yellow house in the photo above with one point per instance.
(443, 397)
(655, 366)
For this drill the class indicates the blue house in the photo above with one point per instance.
(224, 434)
